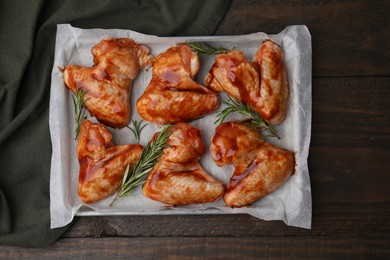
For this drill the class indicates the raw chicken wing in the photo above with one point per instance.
(101, 165)
(178, 178)
(108, 82)
(274, 85)
(172, 95)
(261, 84)
(260, 167)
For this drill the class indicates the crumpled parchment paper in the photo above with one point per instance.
(290, 203)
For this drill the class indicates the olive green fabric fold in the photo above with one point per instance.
(27, 37)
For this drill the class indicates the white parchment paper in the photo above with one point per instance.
(290, 203)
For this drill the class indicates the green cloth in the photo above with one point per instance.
(27, 37)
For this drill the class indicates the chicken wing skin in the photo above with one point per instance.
(108, 83)
(260, 167)
(232, 142)
(270, 168)
(102, 165)
(274, 84)
(172, 95)
(178, 178)
(262, 83)
(185, 144)
(234, 74)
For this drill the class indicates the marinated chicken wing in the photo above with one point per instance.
(274, 85)
(172, 95)
(262, 83)
(178, 178)
(101, 165)
(260, 167)
(108, 82)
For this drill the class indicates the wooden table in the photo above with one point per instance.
(349, 160)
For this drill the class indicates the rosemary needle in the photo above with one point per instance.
(137, 128)
(255, 119)
(134, 177)
(204, 48)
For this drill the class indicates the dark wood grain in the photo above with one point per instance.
(309, 247)
(224, 225)
(348, 37)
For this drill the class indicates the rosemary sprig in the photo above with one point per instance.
(79, 111)
(255, 119)
(137, 128)
(204, 48)
(134, 177)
